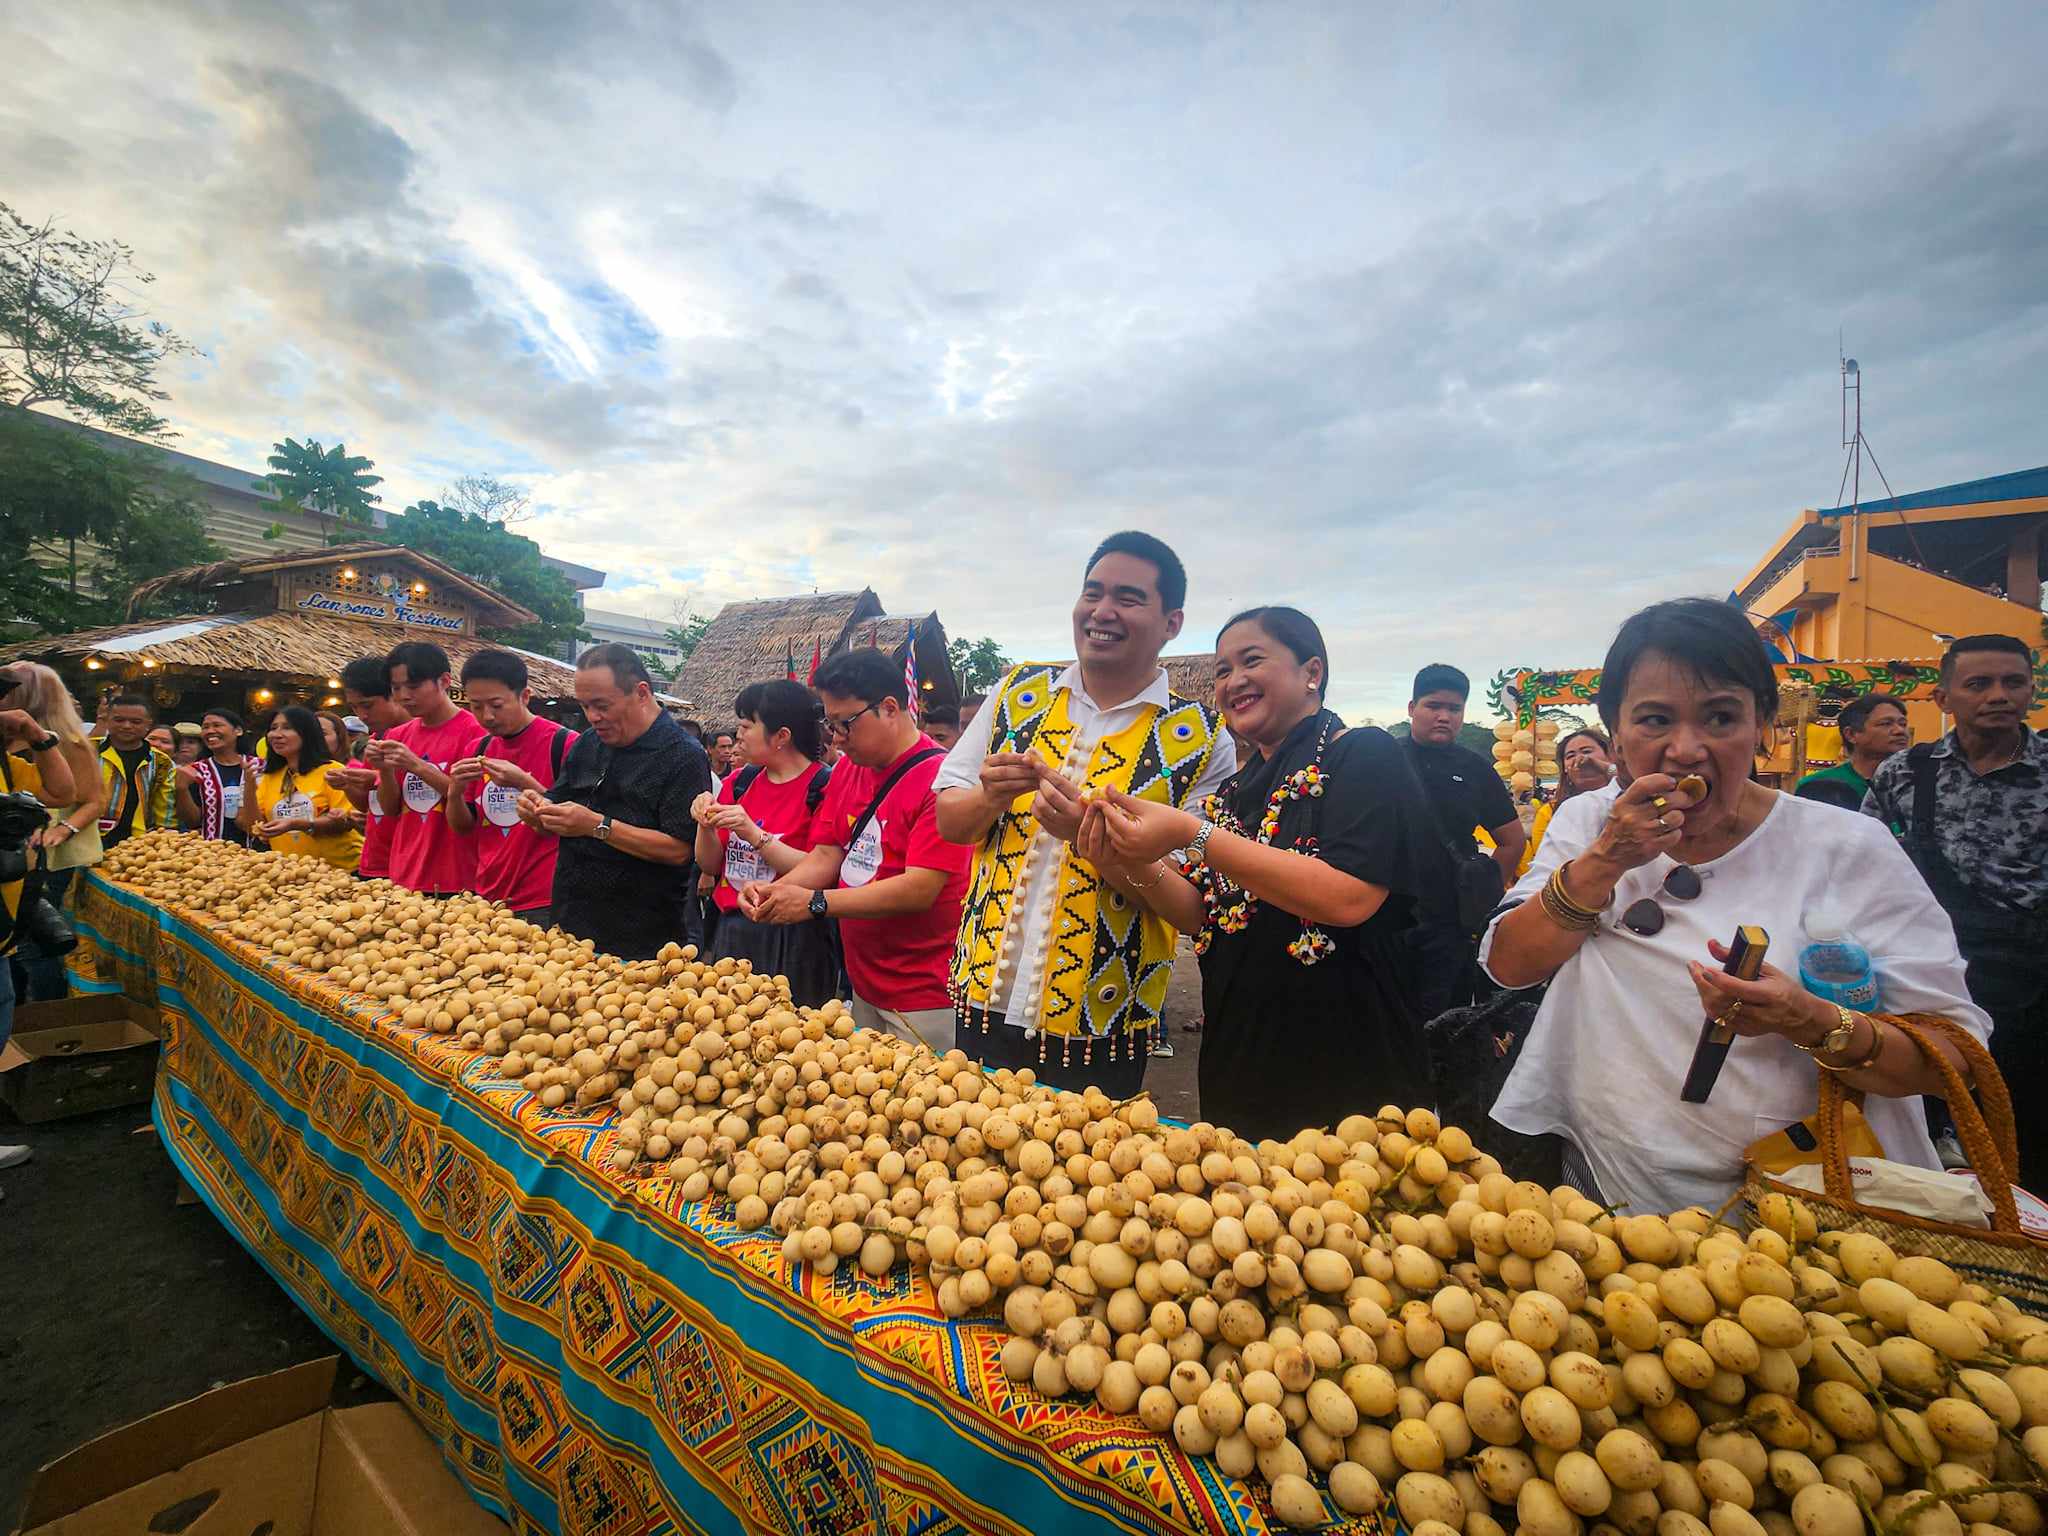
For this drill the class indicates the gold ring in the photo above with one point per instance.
(1660, 802)
(1729, 1016)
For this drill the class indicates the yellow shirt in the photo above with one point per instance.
(307, 798)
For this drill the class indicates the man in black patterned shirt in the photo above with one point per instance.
(1974, 808)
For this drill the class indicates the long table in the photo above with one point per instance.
(593, 1353)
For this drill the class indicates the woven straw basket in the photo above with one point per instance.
(2002, 1257)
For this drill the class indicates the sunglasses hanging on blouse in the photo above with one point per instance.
(1646, 917)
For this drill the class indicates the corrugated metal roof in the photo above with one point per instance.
(2019, 485)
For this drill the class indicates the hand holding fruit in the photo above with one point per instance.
(733, 818)
(774, 901)
(1057, 807)
(1142, 831)
(508, 774)
(701, 808)
(1646, 820)
(1007, 775)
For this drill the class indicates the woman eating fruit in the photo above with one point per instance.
(1626, 908)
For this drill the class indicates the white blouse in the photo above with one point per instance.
(1611, 1043)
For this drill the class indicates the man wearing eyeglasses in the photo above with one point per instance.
(877, 862)
(621, 807)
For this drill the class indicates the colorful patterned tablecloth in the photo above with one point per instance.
(594, 1354)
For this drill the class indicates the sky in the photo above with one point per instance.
(1467, 330)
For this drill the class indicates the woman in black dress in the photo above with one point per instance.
(1300, 881)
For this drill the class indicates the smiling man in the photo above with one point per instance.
(1061, 966)
(1974, 812)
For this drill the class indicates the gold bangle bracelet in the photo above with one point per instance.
(1876, 1048)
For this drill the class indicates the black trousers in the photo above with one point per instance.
(1446, 966)
(1114, 1063)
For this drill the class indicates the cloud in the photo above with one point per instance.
(1467, 340)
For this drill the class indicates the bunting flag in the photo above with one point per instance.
(910, 669)
(817, 659)
(788, 662)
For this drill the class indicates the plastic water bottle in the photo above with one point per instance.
(1834, 966)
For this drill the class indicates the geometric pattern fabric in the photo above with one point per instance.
(595, 1355)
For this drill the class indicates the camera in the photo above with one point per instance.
(38, 925)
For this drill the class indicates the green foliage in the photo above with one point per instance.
(70, 335)
(685, 635)
(84, 522)
(1473, 738)
(980, 663)
(485, 551)
(331, 483)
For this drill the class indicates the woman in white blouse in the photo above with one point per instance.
(1627, 908)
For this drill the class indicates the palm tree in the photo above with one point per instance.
(329, 483)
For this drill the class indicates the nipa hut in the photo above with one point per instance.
(758, 641)
(285, 626)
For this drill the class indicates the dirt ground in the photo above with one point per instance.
(118, 1300)
(121, 1301)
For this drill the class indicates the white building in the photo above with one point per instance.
(647, 636)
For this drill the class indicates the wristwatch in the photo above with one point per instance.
(1837, 1039)
(817, 904)
(49, 743)
(1197, 851)
(603, 830)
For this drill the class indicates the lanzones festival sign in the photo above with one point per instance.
(391, 604)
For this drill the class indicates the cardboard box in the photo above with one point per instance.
(266, 1454)
(77, 1055)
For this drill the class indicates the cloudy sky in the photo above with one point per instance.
(1466, 329)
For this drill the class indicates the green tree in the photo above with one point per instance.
(331, 483)
(85, 522)
(71, 335)
(507, 562)
(1473, 738)
(980, 664)
(687, 630)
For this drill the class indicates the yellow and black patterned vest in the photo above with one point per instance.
(1108, 961)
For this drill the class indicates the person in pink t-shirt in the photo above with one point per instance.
(412, 763)
(366, 683)
(514, 863)
(877, 862)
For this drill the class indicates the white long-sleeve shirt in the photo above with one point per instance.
(1034, 904)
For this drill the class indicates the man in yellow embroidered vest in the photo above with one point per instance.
(1060, 966)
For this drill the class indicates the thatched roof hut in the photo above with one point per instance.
(768, 638)
(246, 585)
(288, 623)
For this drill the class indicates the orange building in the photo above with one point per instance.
(1895, 579)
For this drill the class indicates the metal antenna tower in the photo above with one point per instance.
(1854, 441)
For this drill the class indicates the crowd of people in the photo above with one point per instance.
(1015, 880)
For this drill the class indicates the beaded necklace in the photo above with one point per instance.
(1227, 907)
